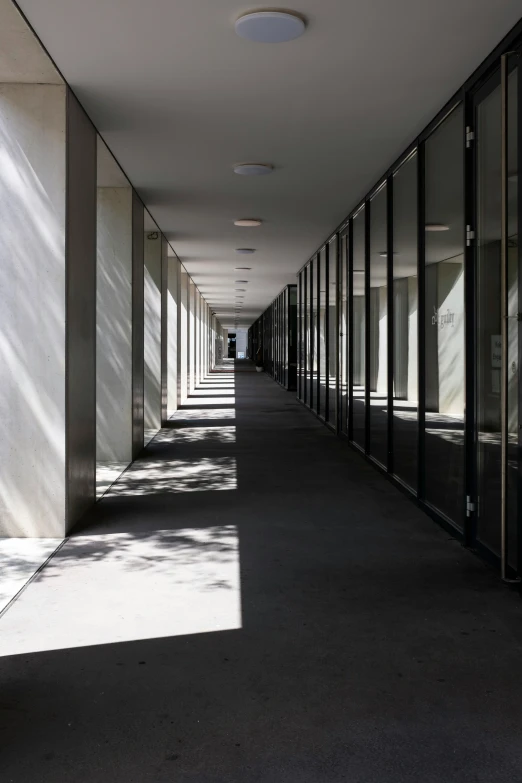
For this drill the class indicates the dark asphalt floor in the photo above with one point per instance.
(373, 648)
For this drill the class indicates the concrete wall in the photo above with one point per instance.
(241, 341)
(152, 332)
(137, 325)
(172, 334)
(164, 328)
(32, 301)
(183, 337)
(80, 311)
(114, 325)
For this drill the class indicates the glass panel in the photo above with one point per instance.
(322, 327)
(489, 340)
(444, 335)
(299, 324)
(343, 335)
(292, 337)
(378, 333)
(359, 342)
(310, 335)
(405, 323)
(313, 330)
(332, 331)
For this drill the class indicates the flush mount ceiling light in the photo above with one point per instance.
(248, 222)
(270, 26)
(253, 169)
(245, 251)
(436, 227)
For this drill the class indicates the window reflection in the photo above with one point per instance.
(444, 325)
(405, 322)
(343, 335)
(378, 333)
(322, 336)
(359, 318)
(332, 330)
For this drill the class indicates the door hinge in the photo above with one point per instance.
(470, 235)
(470, 506)
(470, 136)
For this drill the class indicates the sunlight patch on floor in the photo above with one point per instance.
(124, 587)
(106, 474)
(200, 475)
(197, 435)
(20, 558)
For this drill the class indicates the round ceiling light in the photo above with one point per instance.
(253, 169)
(436, 227)
(248, 222)
(245, 251)
(270, 26)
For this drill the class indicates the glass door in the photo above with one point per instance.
(497, 337)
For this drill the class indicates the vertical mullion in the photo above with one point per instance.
(349, 347)
(390, 346)
(326, 333)
(367, 316)
(470, 300)
(305, 337)
(337, 331)
(421, 321)
(519, 271)
(317, 332)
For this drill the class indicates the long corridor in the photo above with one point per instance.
(252, 603)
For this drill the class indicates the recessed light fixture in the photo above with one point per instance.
(253, 169)
(245, 251)
(270, 26)
(436, 227)
(248, 222)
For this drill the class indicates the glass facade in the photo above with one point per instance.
(276, 333)
(409, 319)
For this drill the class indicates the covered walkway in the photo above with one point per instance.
(252, 602)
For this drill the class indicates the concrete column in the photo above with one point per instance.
(173, 325)
(191, 336)
(47, 297)
(152, 331)
(164, 329)
(137, 325)
(114, 325)
(183, 336)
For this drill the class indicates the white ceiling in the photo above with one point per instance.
(179, 99)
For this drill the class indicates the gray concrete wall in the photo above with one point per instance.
(137, 325)
(114, 325)
(80, 312)
(32, 302)
(164, 328)
(172, 334)
(152, 332)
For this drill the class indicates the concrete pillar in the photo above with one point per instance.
(47, 297)
(164, 329)
(114, 325)
(152, 330)
(137, 325)
(191, 336)
(173, 325)
(183, 336)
